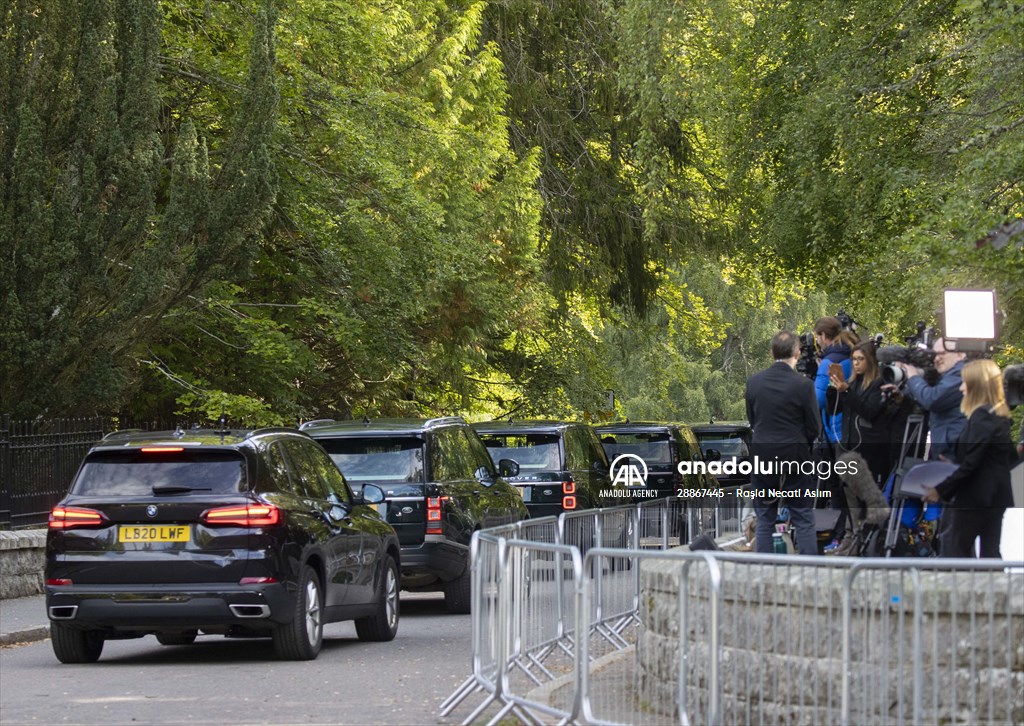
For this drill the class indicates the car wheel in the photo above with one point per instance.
(302, 637)
(458, 593)
(383, 624)
(186, 638)
(71, 645)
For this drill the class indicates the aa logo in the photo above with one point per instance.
(629, 470)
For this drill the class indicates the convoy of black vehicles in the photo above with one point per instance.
(440, 485)
(276, 532)
(240, 533)
(561, 466)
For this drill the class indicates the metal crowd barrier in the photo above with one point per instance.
(587, 619)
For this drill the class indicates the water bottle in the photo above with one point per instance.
(778, 544)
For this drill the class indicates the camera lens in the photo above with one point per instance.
(892, 373)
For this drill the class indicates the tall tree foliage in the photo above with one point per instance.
(869, 145)
(453, 205)
(400, 263)
(98, 243)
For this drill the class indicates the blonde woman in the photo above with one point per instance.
(980, 488)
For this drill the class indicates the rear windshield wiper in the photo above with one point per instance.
(177, 489)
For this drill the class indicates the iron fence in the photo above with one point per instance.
(38, 459)
(569, 629)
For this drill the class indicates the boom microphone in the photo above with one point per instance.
(862, 491)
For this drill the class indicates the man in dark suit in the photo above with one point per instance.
(783, 411)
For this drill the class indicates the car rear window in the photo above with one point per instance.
(377, 459)
(131, 473)
(726, 444)
(652, 447)
(533, 452)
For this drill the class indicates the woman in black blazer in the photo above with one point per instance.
(980, 487)
(866, 413)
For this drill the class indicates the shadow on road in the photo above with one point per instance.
(215, 650)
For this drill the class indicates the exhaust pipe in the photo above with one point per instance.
(63, 612)
(250, 611)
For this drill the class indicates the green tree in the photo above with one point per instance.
(99, 245)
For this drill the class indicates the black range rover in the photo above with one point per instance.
(441, 487)
(562, 466)
(730, 440)
(240, 533)
(661, 446)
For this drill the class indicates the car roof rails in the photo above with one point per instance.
(316, 422)
(122, 434)
(270, 430)
(441, 420)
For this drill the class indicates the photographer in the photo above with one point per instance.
(945, 419)
(941, 400)
(835, 344)
(980, 487)
(867, 412)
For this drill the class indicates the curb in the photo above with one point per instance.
(29, 635)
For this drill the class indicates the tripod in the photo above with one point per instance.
(911, 453)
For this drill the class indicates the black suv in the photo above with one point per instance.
(731, 441)
(240, 533)
(441, 487)
(562, 466)
(661, 446)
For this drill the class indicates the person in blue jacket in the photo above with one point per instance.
(945, 419)
(835, 345)
(941, 400)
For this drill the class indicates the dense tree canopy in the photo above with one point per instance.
(282, 211)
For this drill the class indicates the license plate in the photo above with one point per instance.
(153, 533)
(524, 492)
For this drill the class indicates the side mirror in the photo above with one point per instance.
(372, 494)
(600, 468)
(508, 467)
(712, 455)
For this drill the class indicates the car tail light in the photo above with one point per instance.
(568, 487)
(569, 502)
(59, 582)
(434, 507)
(257, 581)
(71, 517)
(244, 515)
(162, 449)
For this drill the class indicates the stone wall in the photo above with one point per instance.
(781, 644)
(22, 556)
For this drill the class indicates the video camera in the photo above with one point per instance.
(1013, 384)
(917, 352)
(807, 363)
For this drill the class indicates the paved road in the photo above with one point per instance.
(222, 681)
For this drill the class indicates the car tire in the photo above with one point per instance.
(459, 593)
(72, 645)
(186, 638)
(301, 638)
(382, 626)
